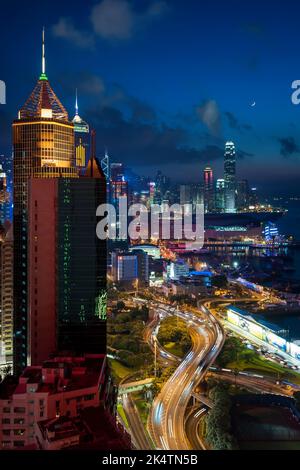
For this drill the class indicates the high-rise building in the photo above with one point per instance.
(162, 184)
(82, 138)
(118, 183)
(242, 196)
(124, 267)
(230, 177)
(7, 296)
(68, 262)
(152, 190)
(177, 270)
(118, 191)
(209, 202)
(127, 267)
(197, 193)
(7, 165)
(185, 194)
(220, 195)
(43, 146)
(253, 198)
(4, 197)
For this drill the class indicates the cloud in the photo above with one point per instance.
(232, 120)
(288, 146)
(91, 84)
(139, 139)
(110, 20)
(65, 29)
(211, 153)
(116, 19)
(209, 114)
(241, 154)
(113, 19)
(139, 143)
(234, 123)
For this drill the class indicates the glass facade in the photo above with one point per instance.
(81, 267)
(230, 177)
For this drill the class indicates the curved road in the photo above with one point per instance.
(167, 419)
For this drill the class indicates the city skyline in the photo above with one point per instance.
(149, 230)
(204, 103)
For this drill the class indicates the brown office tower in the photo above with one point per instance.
(43, 142)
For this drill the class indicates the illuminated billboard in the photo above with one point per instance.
(261, 332)
(276, 340)
(294, 350)
(257, 331)
(233, 317)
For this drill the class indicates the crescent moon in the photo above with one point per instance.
(253, 104)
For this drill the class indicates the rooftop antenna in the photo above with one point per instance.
(76, 104)
(43, 74)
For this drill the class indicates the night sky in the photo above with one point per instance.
(165, 83)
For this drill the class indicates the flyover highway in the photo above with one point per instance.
(150, 335)
(262, 385)
(192, 424)
(139, 437)
(167, 418)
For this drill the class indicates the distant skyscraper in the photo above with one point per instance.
(118, 189)
(68, 263)
(185, 194)
(82, 138)
(162, 184)
(124, 267)
(220, 195)
(197, 194)
(242, 196)
(7, 164)
(253, 197)
(128, 267)
(43, 143)
(105, 165)
(209, 203)
(230, 177)
(117, 172)
(4, 197)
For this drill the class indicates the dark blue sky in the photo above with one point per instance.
(165, 83)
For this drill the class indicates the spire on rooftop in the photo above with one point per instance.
(43, 102)
(43, 75)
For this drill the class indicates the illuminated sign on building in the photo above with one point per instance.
(248, 324)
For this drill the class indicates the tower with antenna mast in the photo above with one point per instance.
(82, 137)
(105, 164)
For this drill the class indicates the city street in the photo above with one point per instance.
(167, 420)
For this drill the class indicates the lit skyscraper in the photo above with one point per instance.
(43, 143)
(209, 203)
(230, 177)
(82, 138)
(4, 197)
(220, 195)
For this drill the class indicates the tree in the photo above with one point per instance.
(120, 305)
